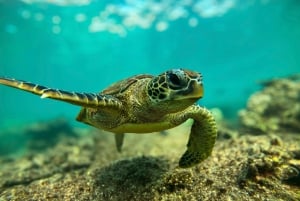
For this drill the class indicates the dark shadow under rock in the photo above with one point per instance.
(130, 178)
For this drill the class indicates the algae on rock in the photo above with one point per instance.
(276, 108)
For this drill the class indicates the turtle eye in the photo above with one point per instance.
(174, 79)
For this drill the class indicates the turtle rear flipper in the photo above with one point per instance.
(119, 138)
(81, 99)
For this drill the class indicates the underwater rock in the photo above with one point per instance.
(276, 108)
(46, 134)
(34, 136)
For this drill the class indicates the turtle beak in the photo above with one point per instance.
(196, 89)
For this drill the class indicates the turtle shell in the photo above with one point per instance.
(121, 86)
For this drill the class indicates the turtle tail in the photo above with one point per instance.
(91, 100)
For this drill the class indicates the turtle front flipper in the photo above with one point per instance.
(202, 137)
(81, 99)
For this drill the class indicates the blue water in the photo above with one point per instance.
(86, 47)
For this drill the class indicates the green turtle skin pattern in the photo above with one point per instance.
(143, 104)
(202, 137)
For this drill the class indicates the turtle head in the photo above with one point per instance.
(176, 85)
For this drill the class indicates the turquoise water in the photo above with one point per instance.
(86, 45)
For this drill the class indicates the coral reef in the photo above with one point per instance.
(274, 109)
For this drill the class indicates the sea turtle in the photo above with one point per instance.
(143, 104)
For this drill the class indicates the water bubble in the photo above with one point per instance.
(117, 29)
(56, 29)
(80, 17)
(26, 14)
(96, 25)
(212, 8)
(39, 16)
(162, 26)
(56, 19)
(177, 13)
(193, 22)
(156, 8)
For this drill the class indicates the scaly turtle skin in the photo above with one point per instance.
(143, 104)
